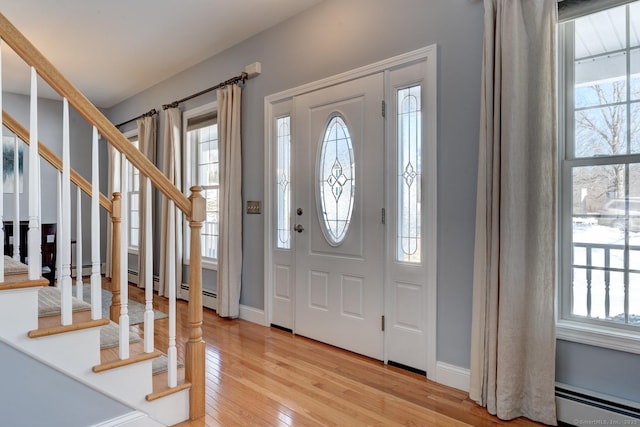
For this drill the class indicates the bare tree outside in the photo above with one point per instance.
(604, 174)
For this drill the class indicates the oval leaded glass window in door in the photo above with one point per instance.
(336, 181)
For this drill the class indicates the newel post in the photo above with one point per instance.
(195, 346)
(116, 220)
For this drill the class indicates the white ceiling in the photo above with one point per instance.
(113, 49)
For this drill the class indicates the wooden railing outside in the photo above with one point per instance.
(193, 207)
(597, 263)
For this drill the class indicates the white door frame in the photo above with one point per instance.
(429, 54)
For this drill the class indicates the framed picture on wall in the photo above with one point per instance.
(11, 144)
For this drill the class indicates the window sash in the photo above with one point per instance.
(572, 9)
(133, 192)
(409, 174)
(209, 167)
(572, 326)
(282, 229)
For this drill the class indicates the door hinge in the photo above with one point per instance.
(384, 108)
(382, 323)
(384, 216)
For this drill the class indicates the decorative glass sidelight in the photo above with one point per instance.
(336, 180)
(409, 167)
(283, 177)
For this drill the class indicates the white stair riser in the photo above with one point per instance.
(134, 393)
(77, 352)
(170, 413)
(19, 310)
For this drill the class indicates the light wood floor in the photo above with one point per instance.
(258, 376)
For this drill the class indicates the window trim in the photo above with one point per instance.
(572, 328)
(188, 178)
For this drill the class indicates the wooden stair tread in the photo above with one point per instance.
(52, 325)
(125, 362)
(111, 354)
(21, 281)
(161, 389)
(46, 322)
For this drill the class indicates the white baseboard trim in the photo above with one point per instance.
(253, 315)
(452, 376)
(86, 270)
(132, 419)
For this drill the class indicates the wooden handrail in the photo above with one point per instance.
(55, 161)
(28, 52)
(193, 207)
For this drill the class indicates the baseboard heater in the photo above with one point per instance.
(205, 292)
(576, 407)
(134, 273)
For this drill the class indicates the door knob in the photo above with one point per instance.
(299, 228)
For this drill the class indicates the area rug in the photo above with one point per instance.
(49, 304)
(160, 364)
(12, 266)
(136, 309)
(110, 336)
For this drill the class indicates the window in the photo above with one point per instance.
(133, 202)
(283, 178)
(202, 166)
(600, 172)
(336, 181)
(409, 146)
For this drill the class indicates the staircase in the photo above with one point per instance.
(76, 352)
(70, 341)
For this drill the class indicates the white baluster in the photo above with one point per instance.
(2, 186)
(172, 354)
(79, 243)
(67, 284)
(124, 270)
(16, 201)
(59, 234)
(34, 249)
(39, 199)
(96, 279)
(148, 279)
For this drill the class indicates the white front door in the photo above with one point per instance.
(337, 216)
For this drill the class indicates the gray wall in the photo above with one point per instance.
(337, 36)
(61, 400)
(334, 37)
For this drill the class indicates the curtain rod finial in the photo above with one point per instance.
(253, 70)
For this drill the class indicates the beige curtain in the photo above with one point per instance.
(147, 145)
(230, 201)
(171, 223)
(513, 330)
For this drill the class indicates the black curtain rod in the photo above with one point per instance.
(242, 77)
(149, 113)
